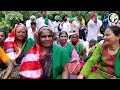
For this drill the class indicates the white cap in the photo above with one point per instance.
(100, 35)
(33, 17)
(71, 34)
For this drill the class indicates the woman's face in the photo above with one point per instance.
(63, 38)
(46, 38)
(74, 39)
(20, 33)
(2, 37)
(33, 27)
(110, 37)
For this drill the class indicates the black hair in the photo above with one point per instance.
(33, 23)
(92, 42)
(62, 33)
(5, 33)
(64, 17)
(42, 11)
(115, 30)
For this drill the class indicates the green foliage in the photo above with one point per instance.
(78, 14)
(9, 18)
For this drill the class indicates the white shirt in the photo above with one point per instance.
(75, 26)
(100, 23)
(93, 29)
(55, 25)
(30, 33)
(86, 44)
(65, 27)
(28, 24)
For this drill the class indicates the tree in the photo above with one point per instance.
(9, 18)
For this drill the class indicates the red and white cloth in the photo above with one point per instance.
(30, 65)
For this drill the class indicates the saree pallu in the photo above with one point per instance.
(15, 73)
(31, 68)
(28, 45)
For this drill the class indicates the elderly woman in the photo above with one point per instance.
(108, 56)
(44, 60)
(16, 45)
(80, 48)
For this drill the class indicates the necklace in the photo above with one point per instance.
(111, 52)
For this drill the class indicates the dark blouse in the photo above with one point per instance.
(46, 64)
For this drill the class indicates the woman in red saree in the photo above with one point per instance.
(16, 46)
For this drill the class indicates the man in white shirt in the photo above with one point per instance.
(31, 30)
(28, 22)
(93, 27)
(74, 25)
(65, 25)
(43, 21)
(56, 24)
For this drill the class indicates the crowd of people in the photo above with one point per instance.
(67, 49)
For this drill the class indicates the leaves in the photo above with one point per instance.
(8, 18)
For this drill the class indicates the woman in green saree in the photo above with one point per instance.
(71, 51)
(44, 60)
(63, 37)
(80, 48)
(108, 56)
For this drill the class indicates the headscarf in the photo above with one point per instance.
(57, 17)
(100, 35)
(93, 15)
(36, 38)
(99, 17)
(70, 38)
(71, 19)
(10, 44)
(30, 66)
(32, 17)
